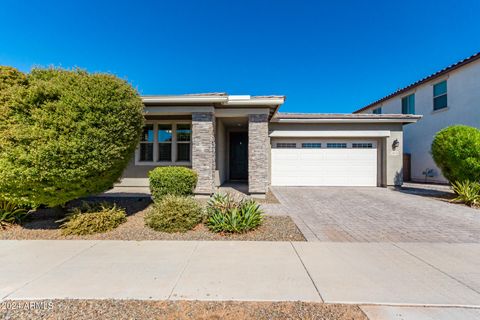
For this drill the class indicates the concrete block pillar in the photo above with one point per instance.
(203, 151)
(258, 153)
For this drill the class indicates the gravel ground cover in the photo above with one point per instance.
(42, 225)
(135, 309)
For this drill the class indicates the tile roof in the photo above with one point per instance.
(451, 67)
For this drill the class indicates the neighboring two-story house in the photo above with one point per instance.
(448, 97)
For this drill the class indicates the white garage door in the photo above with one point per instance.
(324, 163)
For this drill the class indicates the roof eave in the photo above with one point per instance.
(183, 99)
(406, 120)
(221, 100)
(274, 101)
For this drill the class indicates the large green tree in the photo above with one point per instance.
(64, 134)
(456, 151)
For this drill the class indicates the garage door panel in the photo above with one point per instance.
(324, 167)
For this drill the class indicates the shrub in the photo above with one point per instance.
(174, 214)
(93, 218)
(11, 213)
(221, 202)
(468, 192)
(456, 151)
(10, 76)
(228, 215)
(64, 134)
(179, 181)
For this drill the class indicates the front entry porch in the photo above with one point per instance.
(241, 153)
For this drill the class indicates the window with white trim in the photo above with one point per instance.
(336, 145)
(147, 143)
(165, 143)
(377, 111)
(362, 145)
(440, 95)
(184, 137)
(408, 104)
(311, 145)
(164, 138)
(286, 145)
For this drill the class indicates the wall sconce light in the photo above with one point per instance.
(395, 144)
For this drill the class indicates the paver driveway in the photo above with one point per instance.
(375, 215)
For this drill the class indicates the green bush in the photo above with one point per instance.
(174, 214)
(456, 151)
(225, 214)
(92, 218)
(179, 181)
(10, 76)
(11, 213)
(468, 192)
(64, 134)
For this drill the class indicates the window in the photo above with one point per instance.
(146, 143)
(362, 145)
(408, 104)
(377, 111)
(164, 136)
(336, 145)
(165, 143)
(284, 145)
(310, 145)
(184, 136)
(440, 95)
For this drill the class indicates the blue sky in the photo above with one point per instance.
(331, 56)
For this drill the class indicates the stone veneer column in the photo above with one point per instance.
(203, 151)
(258, 149)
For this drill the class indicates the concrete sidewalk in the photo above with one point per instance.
(362, 273)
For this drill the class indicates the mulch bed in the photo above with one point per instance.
(42, 226)
(136, 309)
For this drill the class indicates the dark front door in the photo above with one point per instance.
(238, 156)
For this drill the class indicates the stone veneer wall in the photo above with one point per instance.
(258, 153)
(203, 150)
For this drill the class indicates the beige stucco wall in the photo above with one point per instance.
(221, 150)
(390, 162)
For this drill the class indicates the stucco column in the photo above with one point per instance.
(258, 152)
(394, 157)
(203, 151)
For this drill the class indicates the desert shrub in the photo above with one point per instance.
(456, 151)
(92, 218)
(467, 192)
(174, 214)
(11, 213)
(178, 181)
(225, 214)
(64, 134)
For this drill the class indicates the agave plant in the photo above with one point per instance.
(11, 213)
(467, 192)
(228, 215)
(221, 202)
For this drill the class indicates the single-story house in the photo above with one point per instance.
(244, 138)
